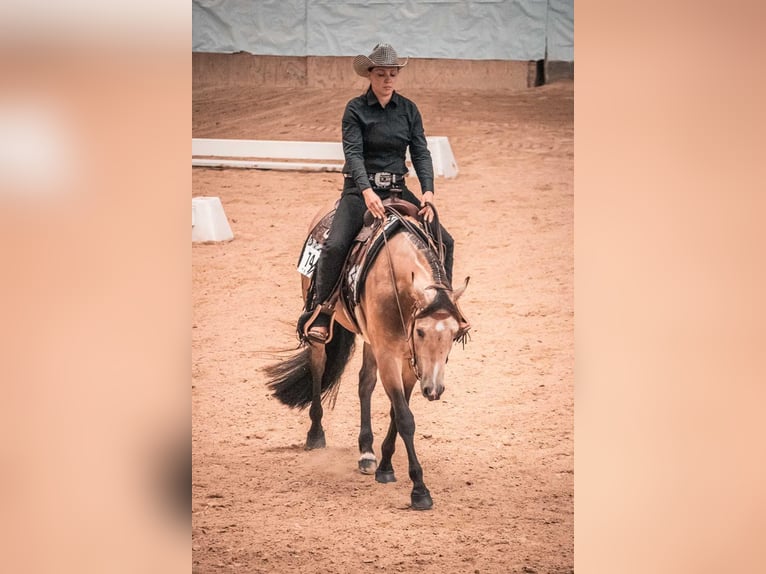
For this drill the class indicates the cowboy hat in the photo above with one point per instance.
(383, 55)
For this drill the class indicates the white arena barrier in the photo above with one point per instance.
(297, 155)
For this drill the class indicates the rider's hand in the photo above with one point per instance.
(426, 212)
(373, 203)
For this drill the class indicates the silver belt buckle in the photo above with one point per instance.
(383, 179)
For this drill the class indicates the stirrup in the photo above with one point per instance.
(320, 333)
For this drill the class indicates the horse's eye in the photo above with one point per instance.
(421, 333)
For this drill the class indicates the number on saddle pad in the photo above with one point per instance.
(309, 257)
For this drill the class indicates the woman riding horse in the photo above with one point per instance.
(407, 309)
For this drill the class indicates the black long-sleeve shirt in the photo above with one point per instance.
(376, 139)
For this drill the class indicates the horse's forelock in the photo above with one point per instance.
(442, 302)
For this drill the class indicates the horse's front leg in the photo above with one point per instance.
(399, 389)
(367, 379)
(405, 423)
(385, 472)
(315, 437)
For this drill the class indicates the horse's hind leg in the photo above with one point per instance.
(315, 437)
(367, 379)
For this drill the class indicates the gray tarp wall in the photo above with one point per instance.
(473, 30)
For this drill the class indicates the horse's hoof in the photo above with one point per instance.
(421, 501)
(368, 465)
(315, 442)
(385, 476)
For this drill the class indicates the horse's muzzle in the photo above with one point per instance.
(433, 392)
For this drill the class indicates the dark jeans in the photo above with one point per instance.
(346, 224)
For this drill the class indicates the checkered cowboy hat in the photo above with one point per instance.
(382, 55)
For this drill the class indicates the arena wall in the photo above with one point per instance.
(217, 69)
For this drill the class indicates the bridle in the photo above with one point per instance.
(411, 342)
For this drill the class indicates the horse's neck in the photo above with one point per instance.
(407, 259)
(422, 278)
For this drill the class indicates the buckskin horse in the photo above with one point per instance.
(403, 306)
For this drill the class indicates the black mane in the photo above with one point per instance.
(432, 256)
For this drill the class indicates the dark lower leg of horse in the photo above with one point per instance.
(420, 496)
(405, 423)
(385, 472)
(368, 464)
(315, 437)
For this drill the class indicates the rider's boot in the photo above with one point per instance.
(318, 328)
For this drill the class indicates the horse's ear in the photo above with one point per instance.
(459, 291)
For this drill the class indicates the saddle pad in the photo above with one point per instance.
(313, 246)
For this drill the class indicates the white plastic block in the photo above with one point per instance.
(442, 156)
(209, 221)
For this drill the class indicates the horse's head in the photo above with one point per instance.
(434, 329)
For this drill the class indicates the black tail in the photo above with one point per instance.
(291, 379)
